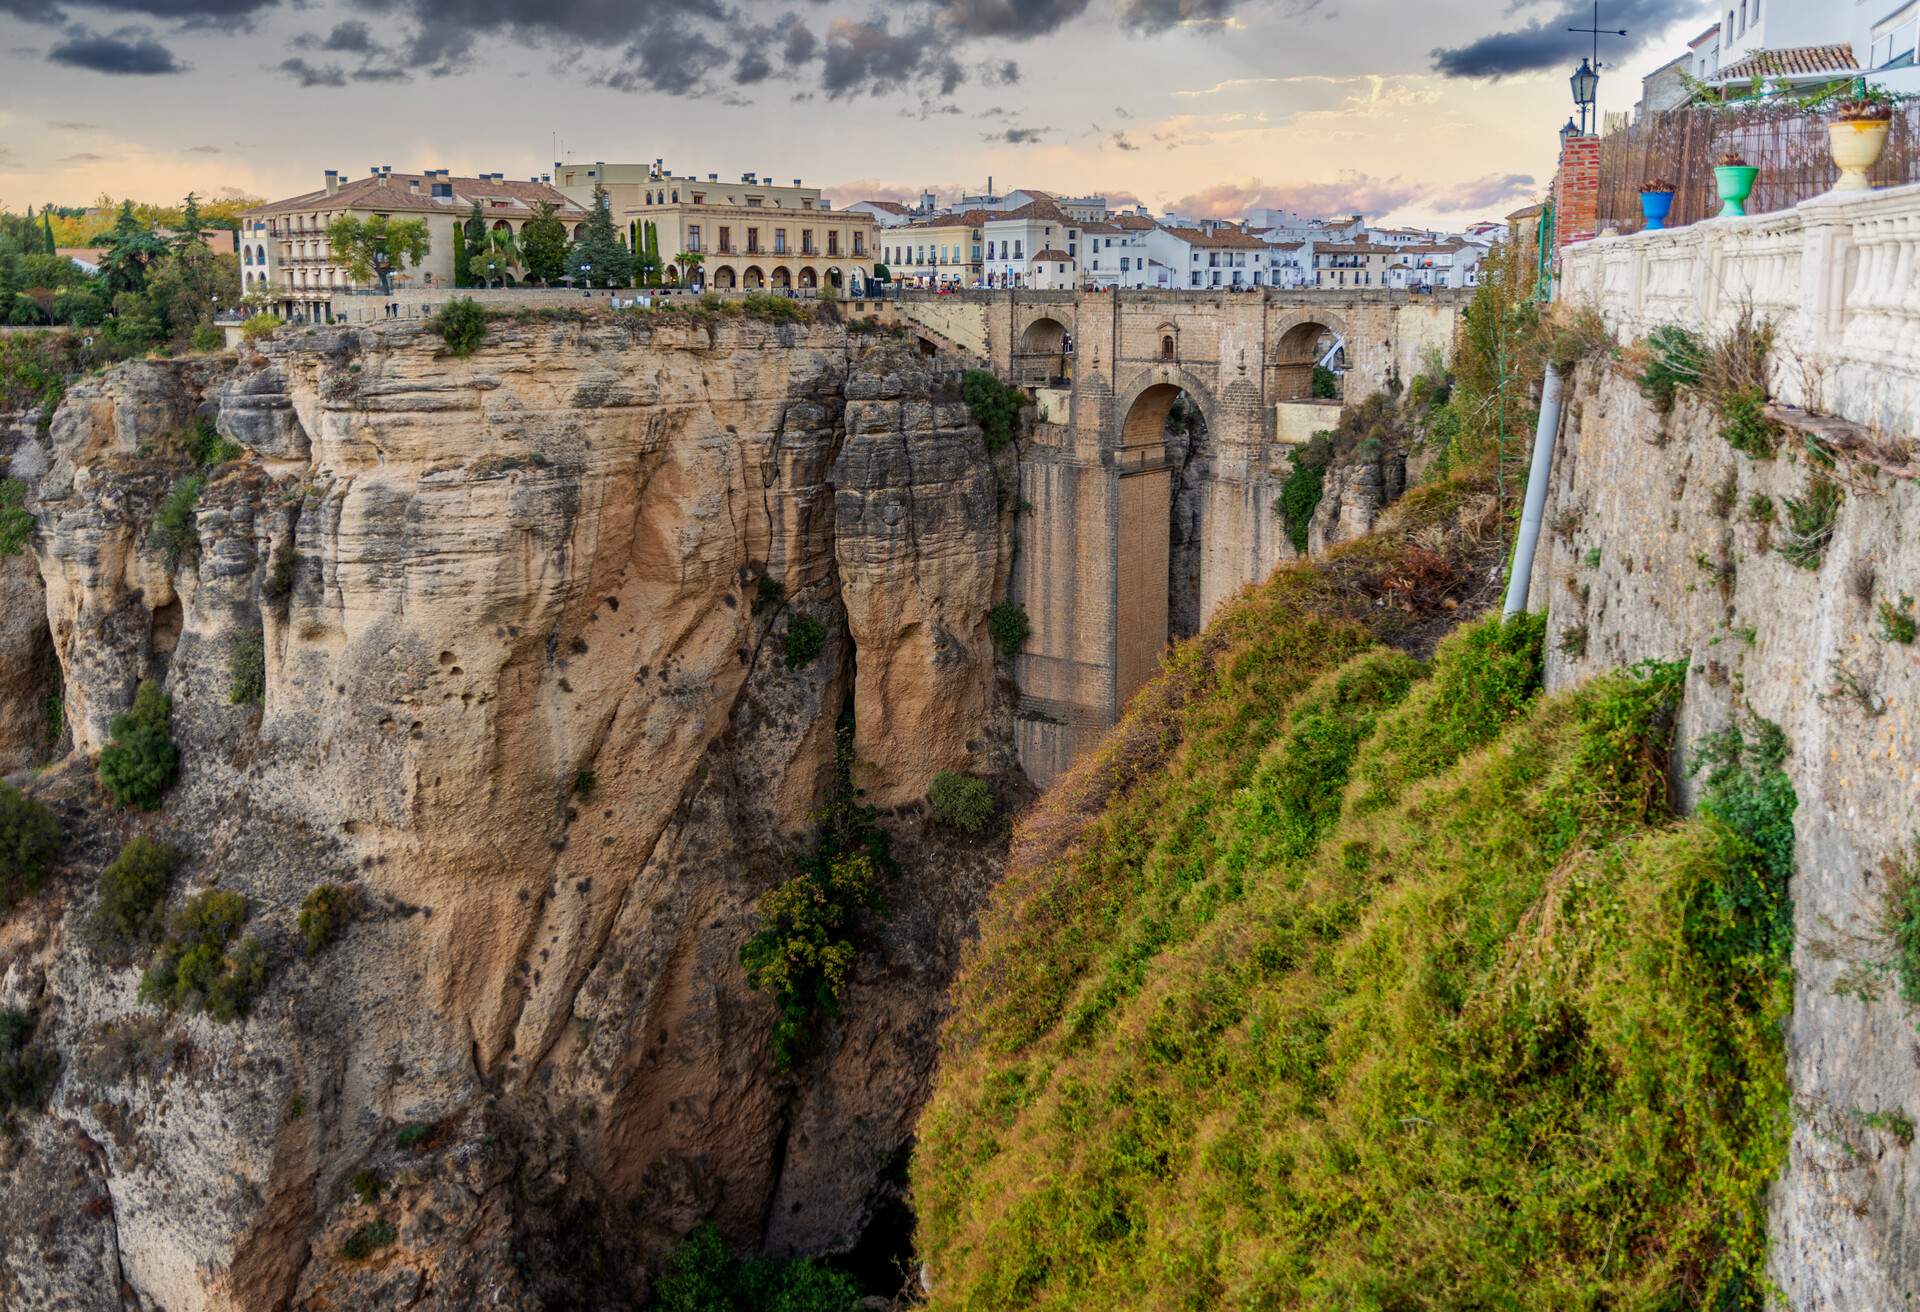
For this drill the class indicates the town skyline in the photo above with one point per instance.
(1193, 106)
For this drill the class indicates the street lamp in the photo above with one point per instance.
(1572, 129)
(1584, 81)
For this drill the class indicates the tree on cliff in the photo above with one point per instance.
(132, 249)
(543, 245)
(598, 258)
(192, 229)
(377, 247)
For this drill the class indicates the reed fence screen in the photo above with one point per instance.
(1787, 144)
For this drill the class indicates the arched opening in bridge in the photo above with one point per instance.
(1046, 353)
(1309, 351)
(1165, 452)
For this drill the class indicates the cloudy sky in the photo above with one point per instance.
(1418, 110)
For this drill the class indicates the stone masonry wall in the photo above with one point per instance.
(1652, 553)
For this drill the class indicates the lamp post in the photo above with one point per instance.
(1585, 81)
(1572, 129)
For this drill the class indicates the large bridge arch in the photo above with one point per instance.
(1298, 339)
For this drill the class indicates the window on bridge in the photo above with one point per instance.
(1166, 347)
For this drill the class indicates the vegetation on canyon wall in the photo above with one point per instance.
(1338, 977)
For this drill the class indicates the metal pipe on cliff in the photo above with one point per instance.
(1536, 502)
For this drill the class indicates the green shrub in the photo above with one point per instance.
(1809, 523)
(1300, 494)
(961, 800)
(774, 309)
(29, 837)
(16, 522)
(27, 1068)
(1744, 424)
(367, 1240)
(259, 326)
(1748, 916)
(206, 338)
(368, 1185)
(1326, 384)
(995, 406)
(1678, 359)
(806, 637)
(1900, 920)
(141, 762)
(1895, 620)
(173, 523)
(1008, 626)
(324, 912)
(703, 1276)
(247, 667)
(411, 1135)
(462, 324)
(804, 950)
(204, 964)
(133, 894)
(209, 447)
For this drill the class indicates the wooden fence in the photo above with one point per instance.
(1788, 146)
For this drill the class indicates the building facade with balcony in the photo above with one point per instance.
(1202, 260)
(1352, 264)
(753, 235)
(1012, 239)
(937, 252)
(285, 254)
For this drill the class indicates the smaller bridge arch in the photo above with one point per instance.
(1301, 338)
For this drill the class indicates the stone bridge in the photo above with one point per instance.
(1164, 424)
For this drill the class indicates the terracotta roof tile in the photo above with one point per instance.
(1794, 61)
(388, 193)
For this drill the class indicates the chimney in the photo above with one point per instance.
(413, 186)
(796, 182)
(713, 177)
(333, 181)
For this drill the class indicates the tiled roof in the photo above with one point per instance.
(1529, 212)
(1795, 61)
(388, 193)
(1051, 256)
(890, 206)
(1044, 210)
(1219, 239)
(965, 219)
(1133, 222)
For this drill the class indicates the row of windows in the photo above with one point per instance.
(753, 247)
(1749, 11)
(908, 256)
(700, 198)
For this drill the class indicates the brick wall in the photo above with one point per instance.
(1576, 190)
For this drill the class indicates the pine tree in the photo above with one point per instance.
(476, 233)
(46, 226)
(191, 226)
(598, 258)
(459, 255)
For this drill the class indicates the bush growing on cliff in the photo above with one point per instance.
(258, 327)
(247, 667)
(1300, 494)
(27, 1068)
(703, 1276)
(1809, 523)
(209, 447)
(995, 406)
(806, 637)
(141, 762)
(133, 891)
(1008, 626)
(204, 964)
(324, 912)
(961, 800)
(29, 836)
(16, 524)
(462, 324)
(1676, 358)
(174, 528)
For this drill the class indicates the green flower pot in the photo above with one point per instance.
(1736, 184)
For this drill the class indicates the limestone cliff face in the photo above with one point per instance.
(526, 689)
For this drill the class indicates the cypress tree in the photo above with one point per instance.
(46, 226)
(459, 255)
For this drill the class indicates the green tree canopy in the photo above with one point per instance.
(132, 250)
(192, 229)
(543, 244)
(377, 247)
(598, 257)
(474, 231)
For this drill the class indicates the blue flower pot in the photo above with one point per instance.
(1654, 206)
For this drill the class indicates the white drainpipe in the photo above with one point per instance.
(1535, 506)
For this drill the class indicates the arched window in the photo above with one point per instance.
(1166, 347)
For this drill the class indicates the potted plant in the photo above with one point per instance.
(1733, 177)
(1857, 132)
(1656, 199)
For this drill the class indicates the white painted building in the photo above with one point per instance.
(886, 213)
(1436, 265)
(1013, 239)
(1115, 255)
(1198, 260)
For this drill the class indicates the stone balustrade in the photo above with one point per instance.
(1838, 277)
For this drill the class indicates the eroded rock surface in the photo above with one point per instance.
(526, 691)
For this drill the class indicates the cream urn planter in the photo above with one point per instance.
(1856, 143)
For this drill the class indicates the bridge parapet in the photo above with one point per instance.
(1833, 275)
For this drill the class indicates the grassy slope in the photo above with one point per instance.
(1332, 981)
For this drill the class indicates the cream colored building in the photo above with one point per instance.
(1352, 264)
(284, 252)
(940, 252)
(754, 234)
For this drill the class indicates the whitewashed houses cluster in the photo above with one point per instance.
(1037, 239)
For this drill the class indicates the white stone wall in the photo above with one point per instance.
(1836, 276)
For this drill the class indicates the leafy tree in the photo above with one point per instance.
(201, 967)
(462, 324)
(543, 245)
(473, 233)
(497, 260)
(191, 228)
(689, 262)
(132, 250)
(133, 889)
(134, 324)
(29, 835)
(78, 306)
(598, 257)
(190, 285)
(377, 246)
(141, 762)
(46, 225)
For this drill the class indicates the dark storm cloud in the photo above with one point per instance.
(673, 59)
(380, 75)
(1013, 18)
(1159, 15)
(868, 56)
(1016, 136)
(999, 73)
(751, 67)
(226, 14)
(1120, 141)
(800, 44)
(1547, 44)
(349, 38)
(312, 75)
(128, 52)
